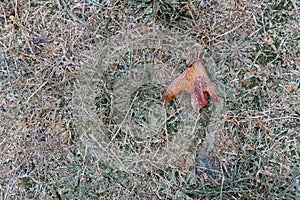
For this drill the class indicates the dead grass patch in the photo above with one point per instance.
(82, 116)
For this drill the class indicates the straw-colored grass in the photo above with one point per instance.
(81, 108)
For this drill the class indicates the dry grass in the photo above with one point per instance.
(82, 115)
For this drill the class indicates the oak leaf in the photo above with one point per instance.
(195, 81)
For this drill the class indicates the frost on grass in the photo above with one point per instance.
(121, 114)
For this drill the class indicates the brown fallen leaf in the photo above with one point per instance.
(195, 81)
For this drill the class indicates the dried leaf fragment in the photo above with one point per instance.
(195, 81)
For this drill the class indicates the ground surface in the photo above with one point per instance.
(81, 108)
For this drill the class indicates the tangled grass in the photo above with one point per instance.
(82, 115)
